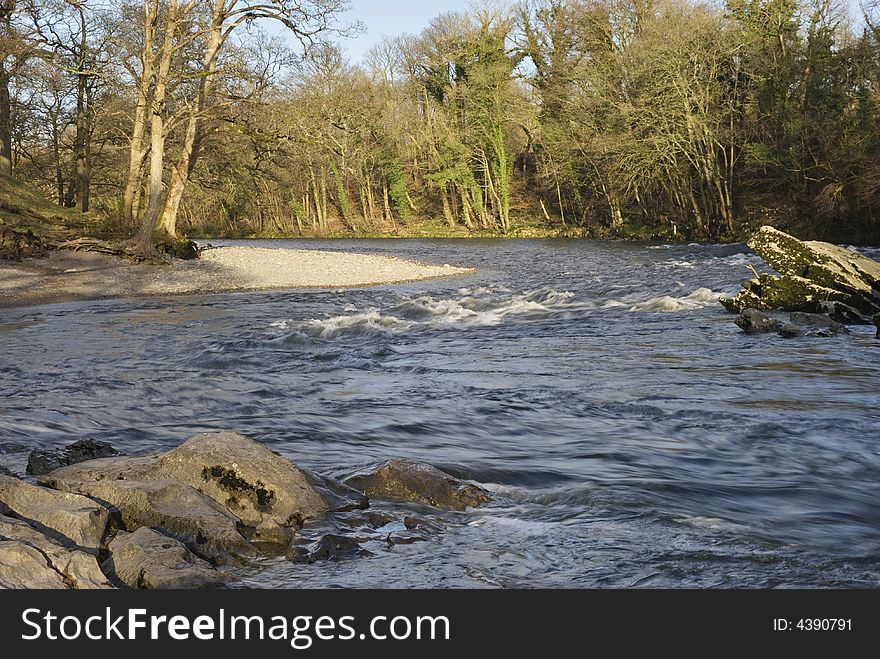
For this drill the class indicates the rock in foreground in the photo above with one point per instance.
(267, 494)
(405, 480)
(247, 478)
(74, 568)
(813, 276)
(148, 559)
(73, 518)
(176, 509)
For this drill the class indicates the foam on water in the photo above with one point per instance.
(482, 307)
(699, 299)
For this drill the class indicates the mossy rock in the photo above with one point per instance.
(178, 248)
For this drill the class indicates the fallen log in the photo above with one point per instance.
(815, 277)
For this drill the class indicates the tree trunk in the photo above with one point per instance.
(181, 172)
(156, 185)
(82, 137)
(137, 154)
(81, 146)
(5, 123)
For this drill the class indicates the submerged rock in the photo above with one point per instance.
(5, 472)
(174, 508)
(42, 461)
(811, 274)
(877, 324)
(753, 321)
(77, 569)
(75, 519)
(405, 480)
(148, 559)
(335, 548)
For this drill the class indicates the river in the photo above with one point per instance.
(632, 435)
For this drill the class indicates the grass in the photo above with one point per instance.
(24, 209)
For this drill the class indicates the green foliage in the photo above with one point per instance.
(676, 119)
(397, 190)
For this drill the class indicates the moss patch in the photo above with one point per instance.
(239, 488)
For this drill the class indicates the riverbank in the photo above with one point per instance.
(65, 276)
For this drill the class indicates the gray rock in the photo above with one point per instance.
(405, 480)
(791, 331)
(247, 478)
(42, 461)
(814, 319)
(753, 321)
(148, 559)
(73, 518)
(5, 472)
(13, 447)
(877, 324)
(114, 469)
(334, 547)
(338, 496)
(77, 568)
(811, 324)
(22, 566)
(171, 507)
(841, 313)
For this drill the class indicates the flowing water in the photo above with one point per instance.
(630, 433)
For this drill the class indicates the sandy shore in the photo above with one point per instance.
(67, 276)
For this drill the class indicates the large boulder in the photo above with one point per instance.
(78, 569)
(268, 494)
(171, 507)
(75, 519)
(405, 480)
(42, 461)
(811, 274)
(256, 484)
(148, 559)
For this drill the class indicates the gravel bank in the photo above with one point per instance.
(66, 276)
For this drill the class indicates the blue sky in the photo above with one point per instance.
(393, 17)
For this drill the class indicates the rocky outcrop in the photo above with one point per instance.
(171, 507)
(23, 566)
(76, 569)
(41, 461)
(148, 559)
(166, 521)
(813, 277)
(405, 480)
(266, 493)
(72, 518)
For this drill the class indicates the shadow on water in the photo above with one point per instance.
(631, 434)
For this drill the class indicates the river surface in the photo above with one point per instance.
(631, 434)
